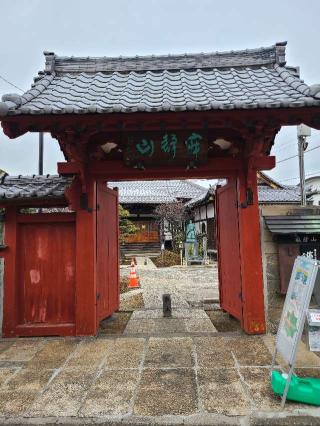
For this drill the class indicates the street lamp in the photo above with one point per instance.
(303, 132)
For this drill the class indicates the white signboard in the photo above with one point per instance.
(304, 275)
(314, 317)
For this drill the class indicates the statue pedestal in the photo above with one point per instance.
(191, 251)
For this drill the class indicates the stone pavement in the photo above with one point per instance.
(154, 380)
(182, 321)
(188, 287)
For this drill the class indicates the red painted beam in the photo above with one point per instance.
(264, 163)
(117, 170)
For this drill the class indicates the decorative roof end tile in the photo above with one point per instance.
(50, 61)
(281, 52)
(4, 109)
(315, 91)
(12, 97)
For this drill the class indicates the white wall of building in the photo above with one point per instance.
(203, 213)
(313, 183)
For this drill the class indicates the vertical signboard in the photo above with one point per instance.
(305, 275)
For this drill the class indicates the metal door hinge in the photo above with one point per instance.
(249, 199)
(98, 296)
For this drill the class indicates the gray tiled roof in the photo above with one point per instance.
(244, 79)
(294, 224)
(266, 195)
(287, 195)
(142, 192)
(33, 187)
(200, 199)
(157, 191)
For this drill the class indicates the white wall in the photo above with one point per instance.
(314, 184)
(210, 211)
(201, 216)
(316, 199)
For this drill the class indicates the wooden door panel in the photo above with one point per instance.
(47, 275)
(287, 256)
(147, 232)
(229, 249)
(107, 252)
(143, 237)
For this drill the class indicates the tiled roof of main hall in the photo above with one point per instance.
(245, 79)
(157, 191)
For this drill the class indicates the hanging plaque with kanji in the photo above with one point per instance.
(181, 148)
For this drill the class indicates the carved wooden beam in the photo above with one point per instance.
(117, 170)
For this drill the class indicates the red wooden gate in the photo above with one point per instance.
(107, 251)
(43, 285)
(229, 259)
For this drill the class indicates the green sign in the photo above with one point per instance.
(176, 148)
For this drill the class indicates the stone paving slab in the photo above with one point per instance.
(124, 353)
(53, 353)
(149, 380)
(171, 391)
(169, 352)
(6, 374)
(28, 380)
(21, 350)
(222, 392)
(176, 313)
(111, 394)
(213, 352)
(65, 394)
(151, 323)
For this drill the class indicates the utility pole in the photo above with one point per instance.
(40, 162)
(303, 132)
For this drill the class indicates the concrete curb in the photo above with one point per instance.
(201, 419)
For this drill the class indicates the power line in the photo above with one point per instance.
(296, 155)
(11, 84)
(286, 159)
(279, 148)
(308, 174)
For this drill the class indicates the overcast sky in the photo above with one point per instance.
(130, 27)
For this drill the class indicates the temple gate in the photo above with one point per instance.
(186, 117)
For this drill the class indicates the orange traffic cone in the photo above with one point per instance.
(133, 278)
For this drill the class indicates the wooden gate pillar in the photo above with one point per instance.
(250, 253)
(86, 297)
(10, 273)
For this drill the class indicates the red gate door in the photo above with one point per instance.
(46, 275)
(107, 252)
(229, 261)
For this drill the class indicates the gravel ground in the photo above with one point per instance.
(134, 301)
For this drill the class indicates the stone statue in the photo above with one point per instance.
(191, 233)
